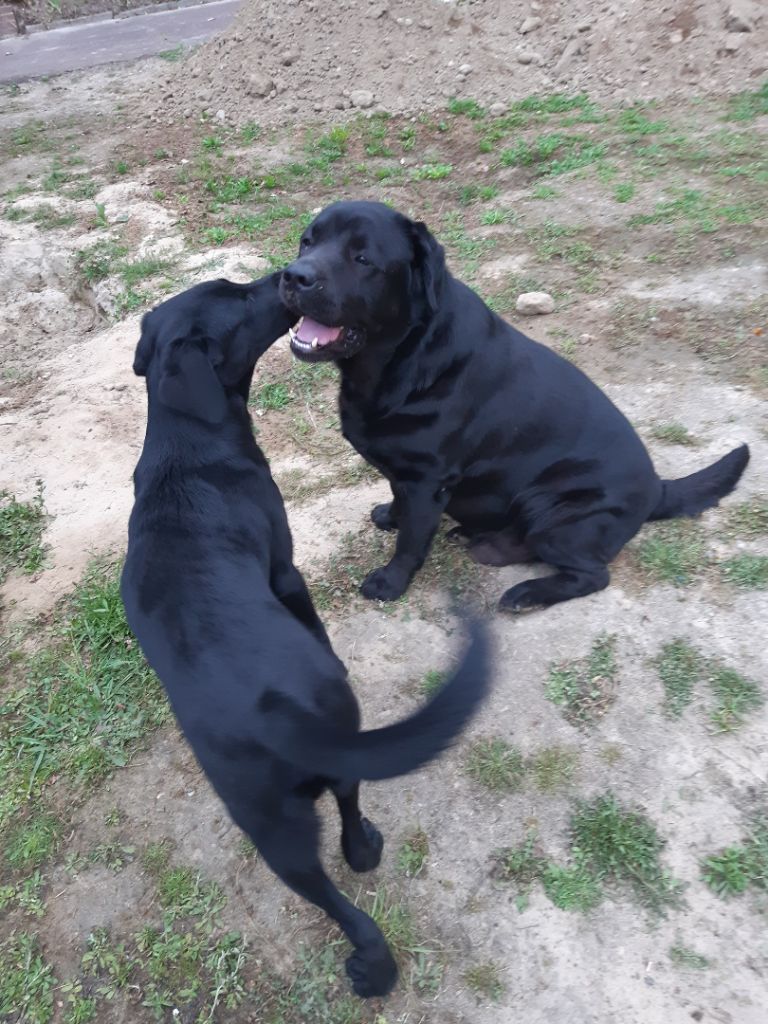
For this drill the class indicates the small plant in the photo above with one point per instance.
(621, 845)
(213, 144)
(273, 395)
(673, 433)
(673, 552)
(431, 683)
(21, 531)
(485, 980)
(750, 572)
(183, 893)
(680, 667)
(32, 842)
(412, 855)
(27, 981)
(571, 888)
(431, 172)
(623, 192)
(584, 689)
(749, 519)
(174, 55)
(734, 696)
(544, 192)
(466, 108)
(250, 132)
(552, 768)
(156, 856)
(686, 958)
(495, 764)
(521, 864)
(100, 260)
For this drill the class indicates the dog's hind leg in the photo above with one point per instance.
(289, 845)
(580, 551)
(361, 841)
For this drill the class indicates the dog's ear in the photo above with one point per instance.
(145, 348)
(189, 383)
(429, 261)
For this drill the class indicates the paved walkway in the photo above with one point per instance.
(73, 47)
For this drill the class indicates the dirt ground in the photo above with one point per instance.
(647, 223)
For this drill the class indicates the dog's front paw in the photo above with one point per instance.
(364, 854)
(383, 518)
(372, 972)
(385, 584)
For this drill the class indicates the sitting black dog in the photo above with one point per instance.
(465, 415)
(225, 619)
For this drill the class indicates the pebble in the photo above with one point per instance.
(676, 37)
(465, 69)
(733, 42)
(530, 25)
(258, 84)
(221, 115)
(535, 303)
(740, 16)
(497, 109)
(361, 98)
(525, 57)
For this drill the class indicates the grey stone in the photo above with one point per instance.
(361, 98)
(535, 303)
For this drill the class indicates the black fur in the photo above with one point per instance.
(225, 619)
(467, 416)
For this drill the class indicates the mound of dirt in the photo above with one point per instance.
(295, 59)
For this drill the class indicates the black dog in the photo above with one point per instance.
(465, 415)
(225, 619)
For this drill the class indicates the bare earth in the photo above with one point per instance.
(668, 314)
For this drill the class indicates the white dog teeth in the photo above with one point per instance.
(314, 343)
(292, 334)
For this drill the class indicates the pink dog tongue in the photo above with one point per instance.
(308, 330)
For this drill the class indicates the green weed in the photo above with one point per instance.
(750, 572)
(738, 868)
(100, 260)
(633, 121)
(735, 696)
(32, 841)
(673, 552)
(623, 192)
(27, 981)
(686, 958)
(749, 519)
(749, 105)
(673, 433)
(495, 764)
(679, 667)
(552, 768)
(412, 855)
(571, 888)
(584, 689)
(21, 530)
(485, 980)
(431, 172)
(466, 108)
(431, 683)
(174, 55)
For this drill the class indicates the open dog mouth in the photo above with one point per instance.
(311, 340)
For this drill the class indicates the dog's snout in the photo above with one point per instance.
(301, 275)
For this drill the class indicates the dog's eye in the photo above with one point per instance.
(305, 243)
(360, 258)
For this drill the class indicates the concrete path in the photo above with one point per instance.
(85, 45)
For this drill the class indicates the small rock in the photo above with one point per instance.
(741, 16)
(288, 58)
(535, 303)
(525, 57)
(676, 37)
(733, 42)
(497, 109)
(530, 25)
(361, 98)
(258, 84)
(378, 11)
(586, 338)
(221, 115)
(465, 69)
(584, 26)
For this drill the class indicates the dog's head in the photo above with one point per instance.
(205, 342)
(364, 273)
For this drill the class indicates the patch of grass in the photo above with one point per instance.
(274, 394)
(673, 552)
(412, 855)
(21, 531)
(485, 980)
(555, 103)
(174, 55)
(32, 842)
(466, 108)
(620, 845)
(24, 895)
(86, 701)
(495, 764)
(701, 212)
(553, 153)
(735, 696)
(623, 192)
(673, 433)
(633, 121)
(687, 958)
(155, 857)
(27, 982)
(522, 864)
(680, 667)
(134, 271)
(738, 868)
(552, 768)
(213, 144)
(100, 260)
(749, 105)
(584, 689)
(750, 572)
(749, 519)
(571, 888)
(431, 683)
(182, 892)
(432, 172)
(418, 962)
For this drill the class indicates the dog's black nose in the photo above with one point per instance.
(300, 274)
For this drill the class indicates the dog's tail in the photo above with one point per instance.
(311, 743)
(692, 494)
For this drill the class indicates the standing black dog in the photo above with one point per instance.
(224, 617)
(465, 415)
